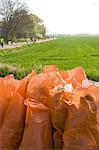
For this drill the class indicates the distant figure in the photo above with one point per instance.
(31, 39)
(2, 42)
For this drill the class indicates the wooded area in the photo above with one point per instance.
(16, 22)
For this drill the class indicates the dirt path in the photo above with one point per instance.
(14, 45)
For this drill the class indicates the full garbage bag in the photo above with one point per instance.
(50, 68)
(74, 76)
(38, 130)
(12, 128)
(51, 110)
(81, 127)
(57, 140)
(22, 88)
(59, 112)
(90, 92)
(40, 85)
(77, 74)
(7, 85)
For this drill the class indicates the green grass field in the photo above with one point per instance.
(66, 52)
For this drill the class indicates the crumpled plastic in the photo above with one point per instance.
(7, 85)
(22, 88)
(62, 111)
(12, 128)
(40, 85)
(38, 130)
(81, 127)
(57, 140)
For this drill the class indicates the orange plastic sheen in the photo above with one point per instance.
(13, 124)
(81, 127)
(21, 89)
(7, 85)
(77, 74)
(51, 110)
(58, 140)
(50, 68)
(38, 131)
(40, 85)
(58, 110)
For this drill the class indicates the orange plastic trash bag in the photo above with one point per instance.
(89, 92)
(13, 124)
(81, 127)
(77, 75)
(38, 131)
(94, 90)
(11, 76)
(11, 82)
(7, 85)
(35, 86)
(58, 111)
(39, 86)
(79, 139)
(57, 140)
(94, 115)
(64, 75)
(50, 68)
(74, 76)
(4, 99)
(22, 88)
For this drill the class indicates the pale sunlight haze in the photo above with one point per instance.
(67, 16)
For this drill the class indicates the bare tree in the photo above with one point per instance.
(17, 21)
(8, 7)
(14, 17)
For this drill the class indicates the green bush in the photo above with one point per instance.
(18, 72)
(37, 67)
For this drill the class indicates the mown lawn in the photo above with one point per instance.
(66, 52)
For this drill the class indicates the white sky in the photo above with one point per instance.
(67, 16)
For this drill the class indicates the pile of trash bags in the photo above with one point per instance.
(52, 110)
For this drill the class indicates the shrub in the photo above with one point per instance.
(17, 71)
(37, 67)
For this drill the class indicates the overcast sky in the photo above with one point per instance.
(67, 16)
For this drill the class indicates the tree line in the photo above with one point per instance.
(16, 21)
